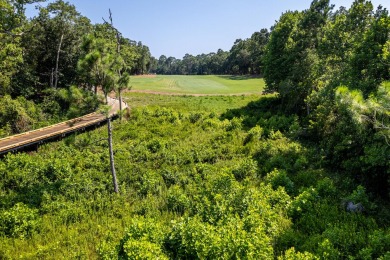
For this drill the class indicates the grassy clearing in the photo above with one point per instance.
(190, 84)
(216, 104)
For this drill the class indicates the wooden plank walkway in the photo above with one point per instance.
(19, 141)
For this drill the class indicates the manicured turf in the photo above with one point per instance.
(190, 84)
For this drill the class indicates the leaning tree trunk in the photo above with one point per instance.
(114, 180)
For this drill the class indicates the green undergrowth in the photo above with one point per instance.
(18, 115)
(199, 177)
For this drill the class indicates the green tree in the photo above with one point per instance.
(279, 58)
(12, 27)
(143, 61)
(239, 59)
(99, 62)
(256, 47)
(368, 69)
(189, 64)
(119, 64)
(52, 49)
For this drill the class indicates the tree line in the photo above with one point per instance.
(245, 57)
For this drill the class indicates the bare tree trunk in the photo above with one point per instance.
(307, 109)
(118, 51)
(57, 61)
(120, 104)
(114, 180)
(118, 34)
(52, 78)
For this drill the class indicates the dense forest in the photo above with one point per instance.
(49, 63)
(301, 172)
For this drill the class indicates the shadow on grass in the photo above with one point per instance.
(263, 111)
(240, 77)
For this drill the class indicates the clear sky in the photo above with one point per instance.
(177, 27)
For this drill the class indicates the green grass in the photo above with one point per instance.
(190, 84)
(216, 104)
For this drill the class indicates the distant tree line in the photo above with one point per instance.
(245, 57)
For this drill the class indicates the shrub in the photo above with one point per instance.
(377, 246)
(155, 145)
(326, 188)
(253, 134)
(193, 239)
(177, 200)
(359, 195)
(143, 240)
(303, 203)
(170, 178)
(18, 115)
(210, 124)
(280, 152)
(291, 254)
(135, 249)
(151, 183)
(276, 123)
(345, 239)
(234, 124)
(20, 221)
(195, 117)
(247, 168)
(280, 179)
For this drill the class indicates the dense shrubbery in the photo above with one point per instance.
(205, 188)
(20, 115)
(20, 221)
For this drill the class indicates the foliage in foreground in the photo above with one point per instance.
(193, 184)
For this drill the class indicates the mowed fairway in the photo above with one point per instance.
(194, 84)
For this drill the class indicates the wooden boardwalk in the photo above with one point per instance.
(38, 136)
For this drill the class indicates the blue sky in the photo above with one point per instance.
(177, 27)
